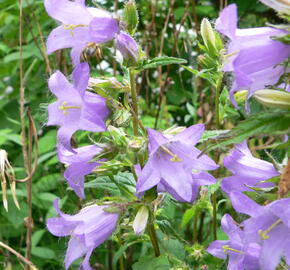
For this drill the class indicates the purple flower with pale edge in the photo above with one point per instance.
(79, 164)
(248, 171)
(80, 26)
(75, 108)
(127, 46)
(171, 161)
(242, 254)
(254, 56)
(268, 226)
(87, 230)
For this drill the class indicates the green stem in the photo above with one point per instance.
(134, 102)
(217, 99)
(152, 235)
(217, 126)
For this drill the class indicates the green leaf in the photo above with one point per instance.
(265, 123)
(151, 263)
(42, 252)
(162, 61)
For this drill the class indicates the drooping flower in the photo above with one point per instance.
(128, 47)
(79, 164)
(76, 30)
(282, 6)
(268, 226)
(242, 254)
(248, 172)
(75, 108)
(171, 162)
(252, 55)
(87, 230)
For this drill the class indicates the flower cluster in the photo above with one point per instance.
(255, 58)
(174, 164)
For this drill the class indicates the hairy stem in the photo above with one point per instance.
(134, 102)
(217, 126)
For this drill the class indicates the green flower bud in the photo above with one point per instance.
(273, 98)
(130, 17)
(208, 34)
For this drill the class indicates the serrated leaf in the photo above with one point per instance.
(162, 61)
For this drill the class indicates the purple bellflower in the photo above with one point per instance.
(252, 55)
(79, 164)
(248, 171)
(242, 255)
(127, 46)
(75, 108)
(82, 26)
(87, 230)
(268, 226)
(171, 162)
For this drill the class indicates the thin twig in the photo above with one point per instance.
(30, 265)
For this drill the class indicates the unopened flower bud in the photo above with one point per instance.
(130, 17)
(140, 220)
(207, 34)
(118, 135)
(136, 144)
(273, 98)
(282, 6)
(128, 48)
(241, 96)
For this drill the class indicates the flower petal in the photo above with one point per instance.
(103, 29)
(227, 21)
(81, 75)
(149, 176)
(68, 12)
(229, 226)
(190, 135)
(76, 249)
(245, 205)
(176, 177)
(61, 38)
(216, 249)
(203, 179)
(272, 248)
(156, 139)
(75, 175)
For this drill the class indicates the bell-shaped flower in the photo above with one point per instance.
(80, 26)
(248, 172)
(128, 47)
(255, 58)
(171, 162)
(268, 226)
(75, 108)
(79, 164)
(87, 230)
(242, 255)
